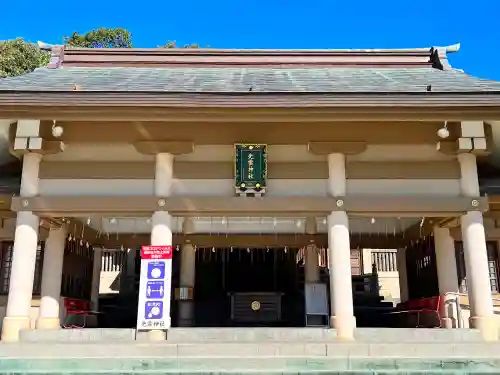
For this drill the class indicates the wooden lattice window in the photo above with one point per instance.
(5, 266)
(493, 266)
(6, 254)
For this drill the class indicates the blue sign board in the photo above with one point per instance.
(153, 310)
(156, 270)
(155, 289)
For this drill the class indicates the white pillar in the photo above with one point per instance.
(96, 278)
(337, 182)
(447, 275)
(187, 277)
(53, 258)
(161, 233)
(164, 173)
(475, 254)
(339, 255)
(403, 275)
(22, 275)
(311, 264)
(339, 260)
(311, 259)
(469, 182)
(188, 264)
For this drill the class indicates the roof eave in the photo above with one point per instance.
(253, 99)
(251, 108)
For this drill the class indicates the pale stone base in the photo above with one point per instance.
(12, 325)
(186, 314)
(345, 326)
(157, 335)
(487, 325)
(48, 323)
(447, 323)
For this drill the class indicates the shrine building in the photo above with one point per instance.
(267, 173)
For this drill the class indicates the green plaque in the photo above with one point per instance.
(251, 167)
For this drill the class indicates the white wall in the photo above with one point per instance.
(226, 187)
(276, 153)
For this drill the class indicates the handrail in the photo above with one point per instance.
(458, 305)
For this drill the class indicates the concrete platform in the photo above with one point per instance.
(190, 335)
(265, 357)
(268, 366)
(321, 334)
(253, 351)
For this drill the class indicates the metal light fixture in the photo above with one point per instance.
(57, 130)
(443, 132)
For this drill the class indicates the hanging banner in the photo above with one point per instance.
(154, 288)
(250, 167)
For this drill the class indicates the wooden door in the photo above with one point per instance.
(355, 262)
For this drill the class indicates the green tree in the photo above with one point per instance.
(18, 57)
(173, 44)
(101, 38)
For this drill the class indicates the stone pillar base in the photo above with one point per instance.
(183, 322)
(488, 326)
(186, 313)
(48, 323)
(157, 335)
(447, 323)
(344, 325)
(12, 325)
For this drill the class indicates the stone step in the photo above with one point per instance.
(239, 335)
(250, 365)
(321, 334)
(338, 349)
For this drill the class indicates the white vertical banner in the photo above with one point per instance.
(153, 309)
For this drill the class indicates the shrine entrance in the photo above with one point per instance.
(249, 287)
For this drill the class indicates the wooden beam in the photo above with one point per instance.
(5, 206)
(495, 215)
(423, 228)
(79, 230)
(494, 199)
(346, 148)
(133, 241)
(7, 214)
(78, 206)
(171, 147)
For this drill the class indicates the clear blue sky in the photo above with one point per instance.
(276, 24)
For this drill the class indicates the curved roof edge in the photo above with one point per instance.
(442, 55)
(160, 57)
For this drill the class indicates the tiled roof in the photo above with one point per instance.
(244, 80)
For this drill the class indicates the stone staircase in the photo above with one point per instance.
(252, 351)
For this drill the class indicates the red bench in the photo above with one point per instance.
(423, 312)
(77, 313)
